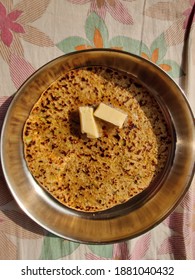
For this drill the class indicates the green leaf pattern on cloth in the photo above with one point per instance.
(55, 247)
(103, 251)
(96, 31)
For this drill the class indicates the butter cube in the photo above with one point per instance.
(87, 121)
(111, 115)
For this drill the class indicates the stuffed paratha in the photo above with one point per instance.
(89, 174)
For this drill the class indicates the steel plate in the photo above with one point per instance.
(127, 222)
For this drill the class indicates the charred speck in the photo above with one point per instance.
(117, 136)
(132, 125)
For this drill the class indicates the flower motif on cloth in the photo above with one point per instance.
(117, 251)
(114, 7)
(15, 28)
(97, 36)
(180, 14)
(15, 25)
(157, 54)
(8, 25)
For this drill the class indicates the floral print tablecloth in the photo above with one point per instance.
(33, 32)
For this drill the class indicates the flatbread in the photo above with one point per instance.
(89, 174)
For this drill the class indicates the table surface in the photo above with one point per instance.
(35, 32)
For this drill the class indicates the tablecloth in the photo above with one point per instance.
(33, 32)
